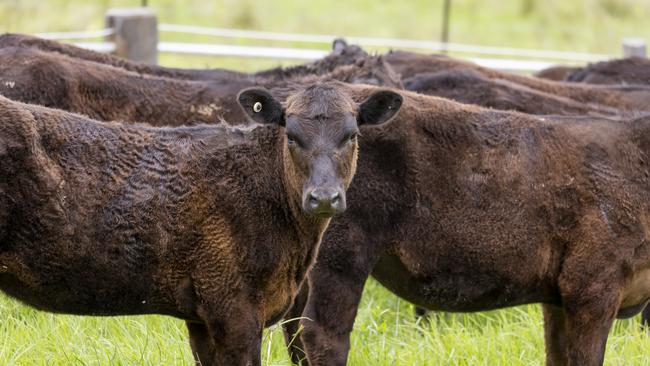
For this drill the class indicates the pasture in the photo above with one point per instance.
(386, 334)
(386, 331)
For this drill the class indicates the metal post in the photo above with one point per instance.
(444, 38)
(135, 33)
(634, 47)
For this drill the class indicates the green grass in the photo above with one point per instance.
(386, 333)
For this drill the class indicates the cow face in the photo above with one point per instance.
(321, 124)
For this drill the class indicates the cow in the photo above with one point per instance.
(469, 86)
(342, 55)
(108, 93)
(629, 71)
(460, 208)
(27, 41)
(215, 225)
(409, 64)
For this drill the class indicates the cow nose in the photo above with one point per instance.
(324, 202)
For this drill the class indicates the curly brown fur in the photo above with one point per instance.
(207, 223)
(459, 208)
(109, 93)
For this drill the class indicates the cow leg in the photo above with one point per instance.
(329, 315)
(421, 313)
(645, 317)
(587, 328)
(236, 335)
(590, 284)
(201, 343)
(590, 288)
(291, 326)
(555, 335)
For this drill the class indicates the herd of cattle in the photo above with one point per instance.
(227, 199)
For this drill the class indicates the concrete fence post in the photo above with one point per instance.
(135, 33)
(634, 47)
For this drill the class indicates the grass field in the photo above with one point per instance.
(386, 332)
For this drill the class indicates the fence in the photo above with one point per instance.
(133, 34)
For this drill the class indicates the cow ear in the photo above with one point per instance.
(339, 45)
(260, 106)
(379, 108)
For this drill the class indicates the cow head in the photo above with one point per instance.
(321, 124)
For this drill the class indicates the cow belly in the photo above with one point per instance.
(464, 291)
(636, 295)
(78, 296)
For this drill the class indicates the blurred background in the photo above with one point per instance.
(585, 26)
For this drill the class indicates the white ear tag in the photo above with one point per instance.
(257, 107)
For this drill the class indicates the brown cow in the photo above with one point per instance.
(409, 64)
(211, 224)
(108, 93)
(630, 71)
(342, 55)
(459, 208)
(27, 41)
(469, 86)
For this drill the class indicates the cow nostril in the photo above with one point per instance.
(313, 200)
(336, 197)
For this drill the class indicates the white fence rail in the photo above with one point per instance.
(77, 35)
(384, 42)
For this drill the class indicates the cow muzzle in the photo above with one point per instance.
(324, 202)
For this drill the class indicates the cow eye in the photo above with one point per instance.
(349, 138)
(292, 140)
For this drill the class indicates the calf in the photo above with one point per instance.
(459, 208)
(342, 55)
(409, 64)
(108, 93)
(211, 224)
(469, 86)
